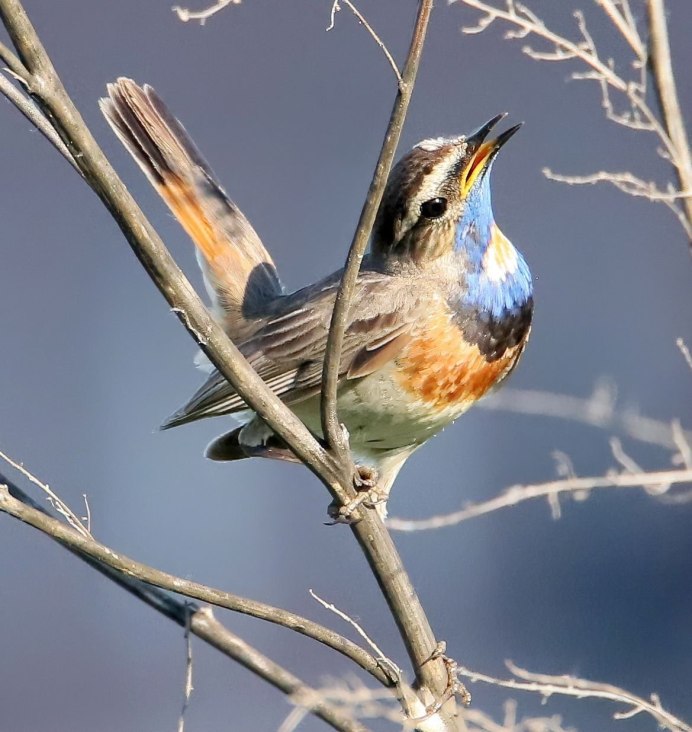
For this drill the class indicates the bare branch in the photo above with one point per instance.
(577, 487)
(633, 186)
(187, 690)
(58, 504)
(331, 429)
(202, 16)
(35, 116)
(680, 343)
(379, 654)
(598, 410)
(625, 181)
(547, 685)
(89, 547)
(638, 114)
(361, 18)
(15, 66)
(662, 69)
(623, 20)
(200, 621)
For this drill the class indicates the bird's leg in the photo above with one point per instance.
(365, 481)
(455, 688)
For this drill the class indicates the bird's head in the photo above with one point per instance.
(437, 200)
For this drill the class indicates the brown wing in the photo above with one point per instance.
(238, 270)
(288, 351)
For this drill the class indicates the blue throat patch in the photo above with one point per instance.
(472, 238)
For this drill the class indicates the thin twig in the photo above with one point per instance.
(578, 487)
(200, 622)
(662, 70)
(13, 63)
(374, 539)
(203, 15)
(680, 343)
(363, 21)
(625, 26)
(547, 685)
(379, 654)
(639, 116)
(625, 181)
(35, 116)
(598, 410)
(89, 547)
(60, 506)
(331, 429)
(188, 688)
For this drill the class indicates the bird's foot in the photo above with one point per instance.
(455, 688)
(365, 482)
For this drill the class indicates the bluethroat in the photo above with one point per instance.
(441, 312)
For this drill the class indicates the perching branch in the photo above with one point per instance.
(197, 620)
(331, 428)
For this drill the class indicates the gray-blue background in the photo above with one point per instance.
(292, 118)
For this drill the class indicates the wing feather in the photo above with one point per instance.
(288, 350)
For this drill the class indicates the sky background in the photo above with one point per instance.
(292, 118)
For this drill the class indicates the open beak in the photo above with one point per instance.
(481, 153)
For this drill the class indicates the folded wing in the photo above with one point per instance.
(288, 350)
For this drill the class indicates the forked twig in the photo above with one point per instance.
(639, 114)
(200, 621)
(546, 685)
(578, 487)
(364, 22)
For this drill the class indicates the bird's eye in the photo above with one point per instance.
(434, 208)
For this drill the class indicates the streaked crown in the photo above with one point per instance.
(430, 191)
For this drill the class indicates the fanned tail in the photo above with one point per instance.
(239, 271)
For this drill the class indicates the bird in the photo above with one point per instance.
(440, 315)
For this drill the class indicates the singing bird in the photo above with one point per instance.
(440, 315)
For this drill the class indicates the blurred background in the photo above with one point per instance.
(292, 118)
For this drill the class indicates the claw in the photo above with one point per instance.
(455, 688)
(365, 482)
(365, 477)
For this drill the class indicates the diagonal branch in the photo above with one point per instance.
(199, 621)
(12, 502)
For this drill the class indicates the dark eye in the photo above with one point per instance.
(434, 208)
